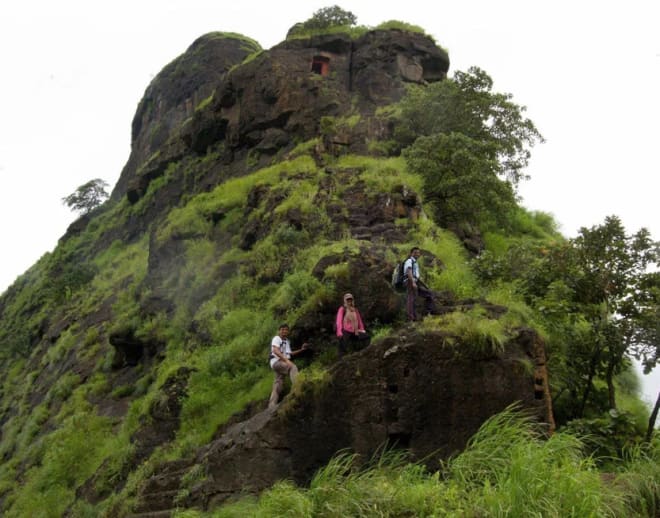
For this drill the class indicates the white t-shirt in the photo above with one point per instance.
(411, 263)
(283, 345)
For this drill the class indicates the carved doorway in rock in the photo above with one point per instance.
(320, 65)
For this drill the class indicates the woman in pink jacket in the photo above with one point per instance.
(349, 326)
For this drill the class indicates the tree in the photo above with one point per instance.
(608, 305)
(330, 17)
(459, 179)
(469, 143)
(87, 197)
(324, 18)
(616, 293)
(652, 418)
(599, 302)
(467, 105)
(644, 310)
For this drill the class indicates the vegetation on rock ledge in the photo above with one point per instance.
(195, 278)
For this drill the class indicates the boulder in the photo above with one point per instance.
(425, 392)
(172, 98)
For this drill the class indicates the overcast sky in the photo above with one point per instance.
(73, 72)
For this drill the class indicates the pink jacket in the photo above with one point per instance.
(339, 322)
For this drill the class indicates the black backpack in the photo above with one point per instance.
(399, 277)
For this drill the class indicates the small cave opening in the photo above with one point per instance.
(320, 65)
(538, 388)
(399, 440)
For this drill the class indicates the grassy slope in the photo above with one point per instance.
(53, 436)
(43, 442)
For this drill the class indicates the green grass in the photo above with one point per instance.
(402, 26)
(638, 480)
(71, 453)
(295, 289)
(518, 313)
(301, 198)
(509, 468)
(457, 277)
(303, 148)
(382, 174)
(118, 265)
(204, 103)
(213, 398)
(352, 32)
(194, 219)
(220, 329)
(480, 334)
(250, 43)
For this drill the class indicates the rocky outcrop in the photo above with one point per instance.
(221, 110)
(273, 99)
(170, 100)
(426, 392)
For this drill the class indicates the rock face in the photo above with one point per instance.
(427, 393)
(272, 99)
(171, 99)
(225, 109)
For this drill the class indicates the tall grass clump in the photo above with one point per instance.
(382, 174)
(296, 288)
(482, 335)
(301, 198)
(638, 480)
(509, 468)
(387, 486)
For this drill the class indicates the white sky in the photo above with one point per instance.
(73, 72)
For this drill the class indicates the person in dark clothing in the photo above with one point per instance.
(415, 287)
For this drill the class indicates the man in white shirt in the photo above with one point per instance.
(280, 362)
(415, 286)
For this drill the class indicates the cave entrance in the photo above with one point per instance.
(320, 65)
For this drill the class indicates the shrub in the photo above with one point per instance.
(294, 290)
(323, 21)
(606, 437)
(402, 26)
(482, 335)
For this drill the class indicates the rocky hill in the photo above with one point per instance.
(259, 189)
